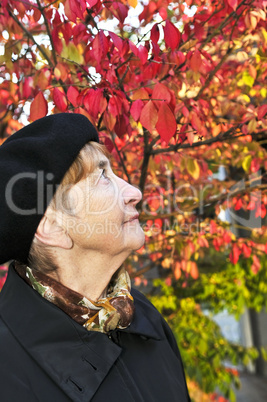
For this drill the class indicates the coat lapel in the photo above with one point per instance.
(76, 359)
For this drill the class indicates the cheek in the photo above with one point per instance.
(105, 201)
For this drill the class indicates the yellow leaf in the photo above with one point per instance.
(246, 163)
(264, 35)
(71, 52)
(252, 125)
(263, 92)
(193, 168)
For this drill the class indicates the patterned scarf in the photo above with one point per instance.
(104, 315)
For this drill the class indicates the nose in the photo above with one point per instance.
(131, 194)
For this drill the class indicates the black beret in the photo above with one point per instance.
(33, 162)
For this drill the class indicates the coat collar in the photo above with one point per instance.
(76, 359)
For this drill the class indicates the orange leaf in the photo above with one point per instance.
(193, 270)
(140, 94)
(195, 122)
(177, 270)
(149, 116)
(195, 61)
(60, 99)
(38, 107)
(166, 124)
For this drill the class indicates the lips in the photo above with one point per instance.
(136, 216)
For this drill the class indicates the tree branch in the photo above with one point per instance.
(41, 9)
(30, 36)
(223, 24)
(121, 160)
(144, 168)
(219, 138)
(212, 74)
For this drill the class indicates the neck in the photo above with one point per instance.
(89, 273)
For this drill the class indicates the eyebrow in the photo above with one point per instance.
(103, 164)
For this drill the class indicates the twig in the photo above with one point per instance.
(213, 72)
(30, 36)
(121, 160)
(48, 31)
(144, 168)
(219, 137)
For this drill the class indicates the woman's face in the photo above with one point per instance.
(105, 217)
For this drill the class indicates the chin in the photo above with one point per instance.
(139, 242)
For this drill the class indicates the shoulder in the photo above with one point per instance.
(143, 301)
(156, 319)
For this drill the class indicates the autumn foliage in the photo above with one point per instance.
(177, 91)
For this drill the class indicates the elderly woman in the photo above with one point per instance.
(71, 328)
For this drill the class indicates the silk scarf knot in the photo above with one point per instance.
(113, 311)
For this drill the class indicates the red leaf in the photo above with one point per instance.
(121, 126)
(109, 144)
(163, 13)
(262, 110)
(37, 15)
(161, 92)
(199, 31)
(120, 11)
(67, 31)
(195, 122)
(143, 54)
(154, 35)
(195, 61)
(58, 45)
(166, 125)
(255, 165)
(95, 102)
(246, 250)
(69, 12)
(27, 87)
(136, 108)
(118, 42)
(233, 3)
(238, 204)
(172, 35)
(109, 120)
(72, 95)
(38, 107)
(92, 3)
(234, 255)
(97, 49)
(149, 116)
(60, 100)
(133, 48)
(255, 267)
(104, 42)
(75, 8)
(190, 137)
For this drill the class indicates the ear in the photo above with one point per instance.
(51, 233)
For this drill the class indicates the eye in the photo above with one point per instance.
(104, 174)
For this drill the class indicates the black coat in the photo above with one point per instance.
(46, 356)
